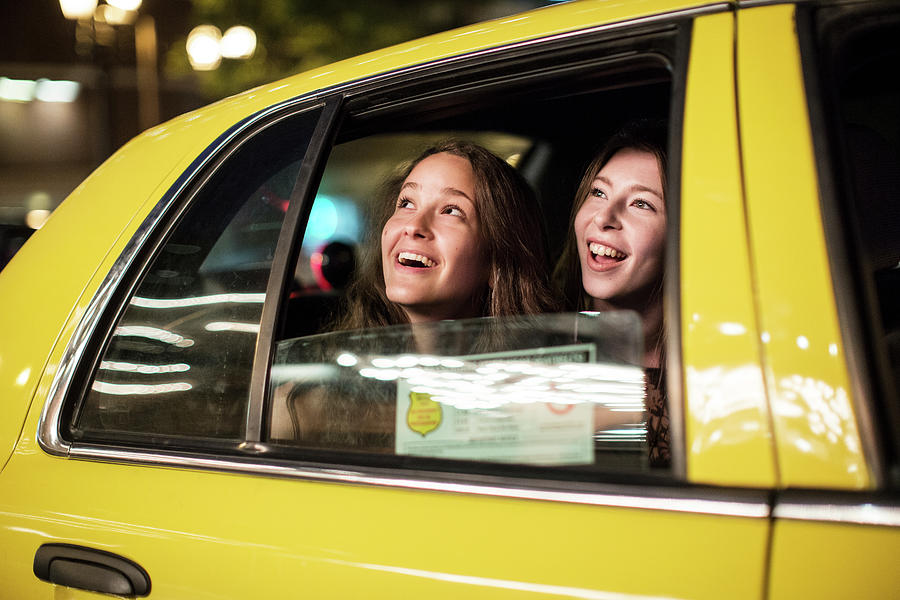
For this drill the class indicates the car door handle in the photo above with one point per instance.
(89, 569)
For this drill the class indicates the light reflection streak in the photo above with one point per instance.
(154, 333)
(506, 584)
(94, 524)
(198, 300)
(485, 386)
(109, 365)
(232, 326)
(122, 389)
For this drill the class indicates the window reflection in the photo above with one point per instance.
(562, 389)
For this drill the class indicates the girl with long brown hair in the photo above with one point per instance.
(458, 234)
(613, 258)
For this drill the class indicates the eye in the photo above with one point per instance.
(643, 205)
(454, 211)
(597, 193)
(404, 202)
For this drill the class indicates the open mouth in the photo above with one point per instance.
(409, 259)
(600, 252)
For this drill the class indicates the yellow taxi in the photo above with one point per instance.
(148, 328)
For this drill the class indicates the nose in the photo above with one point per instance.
(607, 215)
(418, 225)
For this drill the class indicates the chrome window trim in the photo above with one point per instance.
(854, 513)
(746, 504)
(48, 436)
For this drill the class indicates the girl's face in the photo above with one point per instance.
(434, 261)
(620, 230)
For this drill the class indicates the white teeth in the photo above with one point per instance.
(409, 256)
(601, 250)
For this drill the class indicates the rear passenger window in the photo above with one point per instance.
(352, 381)
(859, 56)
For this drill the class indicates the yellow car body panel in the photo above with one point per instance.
(728, 438)
(807, 556)
(190, 527)
(815, 421)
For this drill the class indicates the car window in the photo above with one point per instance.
(859, 54)
(179, 358)
(562, 389)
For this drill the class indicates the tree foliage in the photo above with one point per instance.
(298, 35)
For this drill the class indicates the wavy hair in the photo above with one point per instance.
(511, 230)
(644, 135)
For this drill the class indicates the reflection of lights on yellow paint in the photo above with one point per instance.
(765, 337)
(732, 329)
(803, 445)
(23, 376)
(833, 349)
(802, 342)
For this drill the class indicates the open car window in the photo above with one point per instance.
(564, 391)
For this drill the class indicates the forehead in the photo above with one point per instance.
(633, 166)
(445, 171)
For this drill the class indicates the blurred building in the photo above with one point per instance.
(73, 91)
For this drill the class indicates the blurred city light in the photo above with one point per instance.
(45, 90)
(36, 218)
(203, 47)
(238, 42)
(17, 90)
(114, 15)
(125, 4)
(48, 90)
(78, 9)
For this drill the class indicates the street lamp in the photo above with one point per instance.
(78, 9)
(206, 46)
(96, 25)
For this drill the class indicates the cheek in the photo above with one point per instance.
(473, 257)
(582, 219)
(652, 242)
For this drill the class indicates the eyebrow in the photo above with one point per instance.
(451, 191)
(634, 188)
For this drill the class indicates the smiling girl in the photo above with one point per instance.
(460, 236)
(613, 258)
(457, 235)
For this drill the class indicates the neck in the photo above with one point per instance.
(652, 326)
